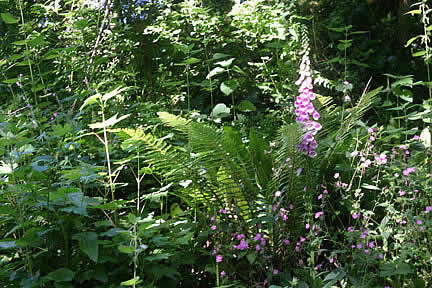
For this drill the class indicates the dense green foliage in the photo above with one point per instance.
(215, 143)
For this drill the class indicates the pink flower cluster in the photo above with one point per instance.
(305, 109)
(243, 244)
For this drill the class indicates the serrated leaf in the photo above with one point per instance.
(110, 122)
(91, 100)
(131, 282)
(220, 111)
(88, 243)
(220, 55)
(246, 106)
(251, 257)
(228, 87)
(9, 18)
(425, 137)
(225, 63)
(126, 249)
(132, 218)
(113, 93)
(215, 71)
(62, 274)
(192, 60)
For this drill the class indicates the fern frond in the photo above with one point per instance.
(358, 111)
(285, 170)
(178, 123)
(162, 156)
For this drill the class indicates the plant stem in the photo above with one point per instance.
(111, 183)
(27, 49)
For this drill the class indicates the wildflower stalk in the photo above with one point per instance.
(217, 274)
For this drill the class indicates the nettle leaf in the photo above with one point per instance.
(220, 111)
(126, 249)
(400, 268)
(220, 55)
(425, 137)
(91, 100)
(228, 87)
(88, 243)
(131, 282)
(226, 63)
(107, 123)
(246, 106)
(9, 18)
(191, 61)
(113, 93)
(215, 71)
(62, 274)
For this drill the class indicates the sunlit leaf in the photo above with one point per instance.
(9, 18)
(107, 123)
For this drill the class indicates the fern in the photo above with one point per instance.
(358, 111)
(218, 163)
(285, 171)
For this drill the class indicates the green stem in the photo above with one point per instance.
(27, 50)
(111, 183)
(217, 274)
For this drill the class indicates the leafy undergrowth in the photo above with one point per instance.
(195, 145)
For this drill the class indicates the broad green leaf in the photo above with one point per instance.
(113, 93)
(225, 63)
(132, 218)
(334, 60)
(251, 257)
(62, 274)
(131, 282)
(370, 187)
(110, 122)
(237, 69)
(126, 249)
(419, 53)
(157, 257)
(215, 71)
(425, 137)
(191, 61)
(88, 243)
(220, 55)
(220, 111)
(412, 12)
(412, 40)
(91, 100)
(228, 87)
(343, 46)
(10, 81)
(19, 42)
(391, 269)
(340, 29)
(246, 106)
(9, 18)
(175, 210)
